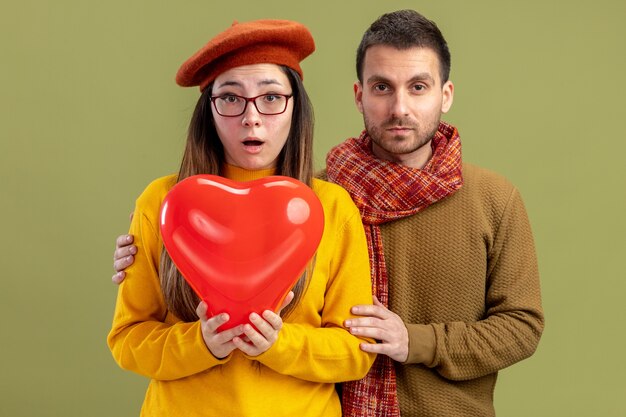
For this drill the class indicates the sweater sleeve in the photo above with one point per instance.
(143, 339)
(329, 353)
(513, 321)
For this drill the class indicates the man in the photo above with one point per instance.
(453, 260)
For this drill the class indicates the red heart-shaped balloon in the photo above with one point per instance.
(241, 245)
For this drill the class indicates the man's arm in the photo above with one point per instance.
(460, 350)
(123, 257)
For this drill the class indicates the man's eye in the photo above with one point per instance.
(381, 87)
(419, 87)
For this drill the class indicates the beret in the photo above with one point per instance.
(281, 42)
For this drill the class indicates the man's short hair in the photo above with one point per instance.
(405, 29)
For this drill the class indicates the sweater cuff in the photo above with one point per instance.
(416, 333)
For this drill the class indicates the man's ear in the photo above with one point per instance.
(358, 96)
(448, 96)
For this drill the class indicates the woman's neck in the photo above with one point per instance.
(241, 174)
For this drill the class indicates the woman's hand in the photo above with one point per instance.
(220, 344)
(259, 340)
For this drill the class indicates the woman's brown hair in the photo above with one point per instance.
(204, 154)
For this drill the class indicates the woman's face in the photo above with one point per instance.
(252, 140)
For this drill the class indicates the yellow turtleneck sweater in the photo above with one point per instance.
(296, 376)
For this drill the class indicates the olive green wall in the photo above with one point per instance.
(90, 113)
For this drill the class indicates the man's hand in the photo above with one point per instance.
(380, 323)
(123, 257)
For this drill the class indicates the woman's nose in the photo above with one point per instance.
(251, 116)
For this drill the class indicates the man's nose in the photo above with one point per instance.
(400, 104)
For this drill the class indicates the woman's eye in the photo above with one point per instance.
(271, 98)
(230, 99)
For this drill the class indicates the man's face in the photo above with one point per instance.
(402, 98)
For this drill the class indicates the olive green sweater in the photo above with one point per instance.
(466, 266)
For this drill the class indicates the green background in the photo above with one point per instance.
(90, 114)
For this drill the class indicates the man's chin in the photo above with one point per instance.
(401, 145)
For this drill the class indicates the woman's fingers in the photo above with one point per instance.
(288, 298)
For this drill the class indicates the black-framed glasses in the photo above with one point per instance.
(231, 105)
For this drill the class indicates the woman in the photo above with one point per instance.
(253, 119)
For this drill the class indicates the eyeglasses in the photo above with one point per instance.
(231, 105)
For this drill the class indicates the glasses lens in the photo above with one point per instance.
(229, 105)
(271, 103)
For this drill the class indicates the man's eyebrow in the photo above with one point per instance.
(422, 76)
(377, 79)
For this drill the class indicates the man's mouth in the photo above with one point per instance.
(400, 124)
(399, 128)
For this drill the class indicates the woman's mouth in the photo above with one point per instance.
(253, 145)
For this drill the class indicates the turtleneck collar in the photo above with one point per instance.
(241, 174)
